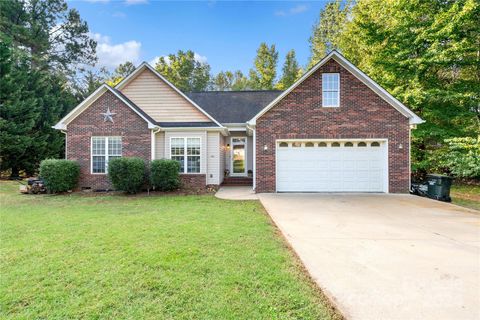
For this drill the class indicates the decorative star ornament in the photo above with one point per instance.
(108, 116)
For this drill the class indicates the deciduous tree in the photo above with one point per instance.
(184, 71)
(262, 77)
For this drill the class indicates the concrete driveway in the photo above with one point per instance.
(385, 256)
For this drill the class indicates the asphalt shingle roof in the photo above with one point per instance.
(233, 106)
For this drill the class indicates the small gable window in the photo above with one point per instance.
(330, 90)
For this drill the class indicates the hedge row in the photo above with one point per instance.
(126, 174)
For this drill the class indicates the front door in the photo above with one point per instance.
(238, 156)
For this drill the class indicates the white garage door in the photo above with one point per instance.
(331, 166)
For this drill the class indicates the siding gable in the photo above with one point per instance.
(160, 101)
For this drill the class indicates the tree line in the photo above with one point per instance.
(426, 53)
(186, 73)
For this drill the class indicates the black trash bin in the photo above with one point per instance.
(439, 187)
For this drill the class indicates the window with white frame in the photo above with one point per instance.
(187, 152)
(103, 150)
(330, 89)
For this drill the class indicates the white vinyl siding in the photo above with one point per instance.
(160, 145)
(221, 169)
(330, 90)
(103, 149)
(213, 157)
(160, 101)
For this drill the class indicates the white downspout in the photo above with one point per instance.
(152, 140)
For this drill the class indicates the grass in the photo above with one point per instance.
(147, 257)
(466, 195)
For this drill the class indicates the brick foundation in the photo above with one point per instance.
(362, 114)
(193, 181)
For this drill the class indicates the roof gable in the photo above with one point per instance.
(413, 118)
(62, 124)
(160, 99)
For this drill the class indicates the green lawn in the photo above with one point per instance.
(466, 196)
(147, 257)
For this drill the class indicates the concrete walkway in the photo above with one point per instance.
(385, 256)
(236, 193)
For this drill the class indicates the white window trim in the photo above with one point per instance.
(185, 166)
(338, 90)
(105, 155)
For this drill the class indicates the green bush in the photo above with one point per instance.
(164, 174)
(59, 175)
(127, 174)
(462, 157)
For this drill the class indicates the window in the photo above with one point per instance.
(348, 144)
(309, 144)
(375, 144)
(187, 152)
(283, 144)
(335, 144)
(296, 144)
(103, 150)
(322, 144)
(362, 144)
(330, 90)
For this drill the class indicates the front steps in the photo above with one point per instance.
(237, 181)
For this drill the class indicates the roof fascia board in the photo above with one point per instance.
(124, 82)
(414, 119)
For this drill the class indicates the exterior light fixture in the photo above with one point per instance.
(265, 148)
(228, 146)
(400, 146)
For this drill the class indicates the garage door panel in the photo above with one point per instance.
(331, 169)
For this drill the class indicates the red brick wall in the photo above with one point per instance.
(193, 181)
(362, 114)
(127, 124)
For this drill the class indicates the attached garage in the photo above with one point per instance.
(332, 166)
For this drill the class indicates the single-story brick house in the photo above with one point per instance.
(334, 130)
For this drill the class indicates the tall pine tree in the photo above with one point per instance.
(329, 28)
(265, 71)
(291, 71)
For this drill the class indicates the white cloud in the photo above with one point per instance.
(292, 11)
(198, 57)
(133, 2)
(111, 55)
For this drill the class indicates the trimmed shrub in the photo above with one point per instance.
(127, 174)
(164, 174)
(59, 175)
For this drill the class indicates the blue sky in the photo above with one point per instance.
(225, 34)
